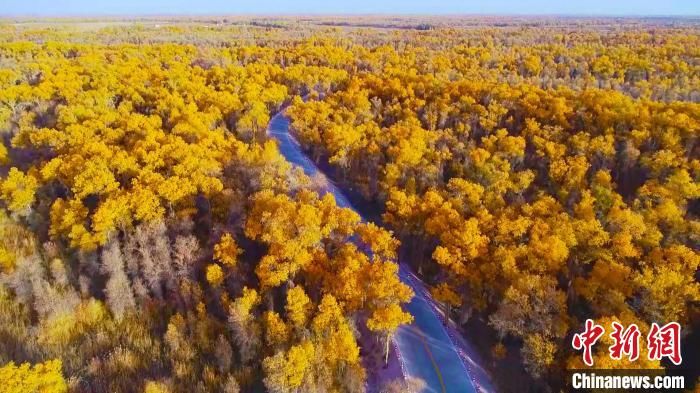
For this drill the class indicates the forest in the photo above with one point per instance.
(533, 172)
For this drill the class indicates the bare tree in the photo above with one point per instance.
(28, 270)
(185, 254)
(409, 385)
(89, 268)
(53, 300)
(149, 268)
(161, 255)
(32, 287)
(223, 353)
(120, 297)
(231, 385)
(247, 335)
(58, 272)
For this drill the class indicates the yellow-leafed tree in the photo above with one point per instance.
(41, 378)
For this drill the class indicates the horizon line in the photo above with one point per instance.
(344, 14)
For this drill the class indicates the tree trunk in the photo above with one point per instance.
(386, 353)
(420, 252)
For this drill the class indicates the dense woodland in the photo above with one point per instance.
(535, 179)
(535, 172)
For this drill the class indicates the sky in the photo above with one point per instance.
(231, 7)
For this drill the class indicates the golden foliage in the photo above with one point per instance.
(41, 378)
